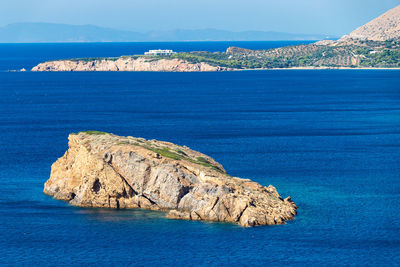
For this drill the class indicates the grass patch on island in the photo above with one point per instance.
(176, 155)
(92, 132)
(165, 152)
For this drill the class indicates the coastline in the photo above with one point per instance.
(321, 68)
(228, 70)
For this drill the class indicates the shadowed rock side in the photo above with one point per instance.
(126, 64)
(109, 171)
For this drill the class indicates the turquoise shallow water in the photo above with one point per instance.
(330, 139)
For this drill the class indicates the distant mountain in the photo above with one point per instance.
(50, 32)
(383, 28)
(222, 35)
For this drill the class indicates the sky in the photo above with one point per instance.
(332, 17)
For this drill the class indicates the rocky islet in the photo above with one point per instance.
(108, 171)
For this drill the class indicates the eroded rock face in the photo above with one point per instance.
(385, 27)
(109, 171)
(126, 64)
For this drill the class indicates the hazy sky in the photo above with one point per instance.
(334, 17)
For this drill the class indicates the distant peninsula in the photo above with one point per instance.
(104, 170)
(374, 45)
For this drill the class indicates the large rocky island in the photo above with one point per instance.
(374, 45)
(109, 171)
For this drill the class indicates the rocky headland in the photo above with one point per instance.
(126, 63)
(373, 45)
(109, 171)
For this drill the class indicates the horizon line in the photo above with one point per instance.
(167, 30)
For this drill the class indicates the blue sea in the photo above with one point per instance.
(328, 138)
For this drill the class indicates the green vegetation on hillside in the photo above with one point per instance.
(383, 58)
(355, 53)
(367, 54)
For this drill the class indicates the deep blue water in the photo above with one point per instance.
(329, 138)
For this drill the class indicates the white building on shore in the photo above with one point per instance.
(159, 52)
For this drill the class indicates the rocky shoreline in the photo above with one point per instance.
(127, 64)
(109, 171)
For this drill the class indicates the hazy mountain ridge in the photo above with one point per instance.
(50, 32)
